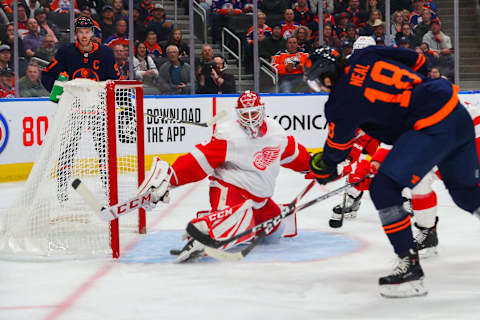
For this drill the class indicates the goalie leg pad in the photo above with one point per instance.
(226, 223)
(424, 201)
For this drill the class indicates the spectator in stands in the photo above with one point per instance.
(290, 65)
(8, 38)
(424, 26)
(120, 52)
(206, 58)
(5, 55)
(358, 16)
(399, 5)
(63, 6)
(407, 32)
(31, 6)
(431, 56)
(221, 10)
(328, 6)
(120, 36)
(214, 80)
(45, 27)
(302, 14)
(177, 39)
(329, 37)
(47, 51)
(207, 5)
(106, 23)
(119, 11)
(146, 8)
(352, 34)
(416, 16)
(30, 85)
(434, 73)
(375, 5)
(7, 90)
(341, 26)
(373, 16)
(138, 26)
(347, 48)
(302, 34)
(439, 42)
(159, 23)
(153, 48)
(379, 32)
(397, 22)
(264, 32)
(288, 24)
(174, 75)
(94, 6)
(403, 42)
(271, 45)
(143, 65)
(22, 20)
(32, 40)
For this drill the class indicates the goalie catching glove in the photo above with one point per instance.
(157, 179)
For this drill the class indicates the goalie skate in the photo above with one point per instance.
(192, 251)
(406, 279)
(426, 240)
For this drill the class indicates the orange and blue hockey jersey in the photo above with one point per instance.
(223, 6)
(266, 31)
(384, 92)
(97, 65)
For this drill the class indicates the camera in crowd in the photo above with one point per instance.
(208, 67)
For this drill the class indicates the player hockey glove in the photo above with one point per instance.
(366, 171)
(322, 171)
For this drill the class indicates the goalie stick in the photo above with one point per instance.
(212, 245)
(115, 211)
(217, 117)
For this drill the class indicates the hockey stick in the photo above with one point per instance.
(115, 211)
(217, 117)
(212, 245)
(236, 256)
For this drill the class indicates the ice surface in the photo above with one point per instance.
(322, 274)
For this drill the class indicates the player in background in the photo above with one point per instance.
(88, 60)
(384, 92)
(82, 59)
(242, 160)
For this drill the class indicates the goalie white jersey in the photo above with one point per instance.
(251, 164)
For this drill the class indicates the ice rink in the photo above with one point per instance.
(322, 274)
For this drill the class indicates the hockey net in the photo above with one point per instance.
(97, 136)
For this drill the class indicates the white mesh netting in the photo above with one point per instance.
(49, 220)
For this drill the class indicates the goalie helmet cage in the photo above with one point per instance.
(97, 136)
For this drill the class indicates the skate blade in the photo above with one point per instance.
(428, 252)
(350, 215)
(404, 290)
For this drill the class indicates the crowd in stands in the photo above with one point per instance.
(287, 32)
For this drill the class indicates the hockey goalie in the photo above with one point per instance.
(242, 160)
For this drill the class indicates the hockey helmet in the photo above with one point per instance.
(84, 22)
(324, 65)
(251, 112)
(363, 42)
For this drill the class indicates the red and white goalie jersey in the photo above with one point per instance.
(234, 160)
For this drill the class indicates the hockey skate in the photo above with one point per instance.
(352, 204)
(192, 251)
(426, 240)
(406, 279)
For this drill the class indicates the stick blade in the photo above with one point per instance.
(219, 116)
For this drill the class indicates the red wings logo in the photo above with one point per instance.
(262, 159)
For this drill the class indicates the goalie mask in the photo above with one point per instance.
(324, 71)
(251, 112)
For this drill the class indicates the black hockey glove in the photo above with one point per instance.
(322, 171)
